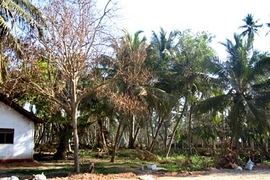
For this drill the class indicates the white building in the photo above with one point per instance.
(17, 127)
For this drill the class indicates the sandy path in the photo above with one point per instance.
(225, 174)
(261, 174)
(214, 174)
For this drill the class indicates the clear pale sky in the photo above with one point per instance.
(219, 17)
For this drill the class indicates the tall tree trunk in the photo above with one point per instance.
(148, 135)
(266, 145)
(166, 134)
(252, 144)
(39, 134)
(117, 139)
(131, 133)
(161, 120)
(175, 128)
(189, 132)
(101, 140)
(74, 110)
(76, 141)
(136, 134)
(64, 136)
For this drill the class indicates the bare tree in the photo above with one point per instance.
(75, 41)
(62, 66)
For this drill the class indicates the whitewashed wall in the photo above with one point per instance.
(23, 145)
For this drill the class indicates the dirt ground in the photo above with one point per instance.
(260, 172)
(223, 174)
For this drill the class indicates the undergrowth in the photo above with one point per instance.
(126, 161)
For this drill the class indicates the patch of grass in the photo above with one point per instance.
(266, 161)
(121, 165)
(182, 163)
(126, 161)
(137, 154)
(133, 160)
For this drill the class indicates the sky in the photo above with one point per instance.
(221, 18)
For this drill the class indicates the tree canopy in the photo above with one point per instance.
(110, 91)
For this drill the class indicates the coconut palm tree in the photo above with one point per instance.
(160, 55)
(161, 50)
(178, 58)
(250, 27)
(191, 79)
(19, 13)
(133, 82)
(243, 77)
(129, 72)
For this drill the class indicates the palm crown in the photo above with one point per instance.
(251, 26)
(245, 77)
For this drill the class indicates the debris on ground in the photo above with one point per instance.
(10, 178)
(146, 177)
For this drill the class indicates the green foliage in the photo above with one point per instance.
(266, 162)
(154, 79)
(24, 14)
(213, 104)
(251, 26)
(182, 163)
(244, 80)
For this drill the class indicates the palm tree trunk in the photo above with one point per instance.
(266, 145)
(166, 130)
(161, 120)
(136, 134)
(102, 143)
(189, 132)
(117, 139)
(175, 127)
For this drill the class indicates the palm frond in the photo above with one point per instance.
(4, 28)
(257, 117)
(262, 99)
(214, 66)
(262, 86)
(26, 14)
(217, 103)
(156, 98)
(262, 66)
(236, 120)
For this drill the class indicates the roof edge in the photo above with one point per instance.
(9, 102)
